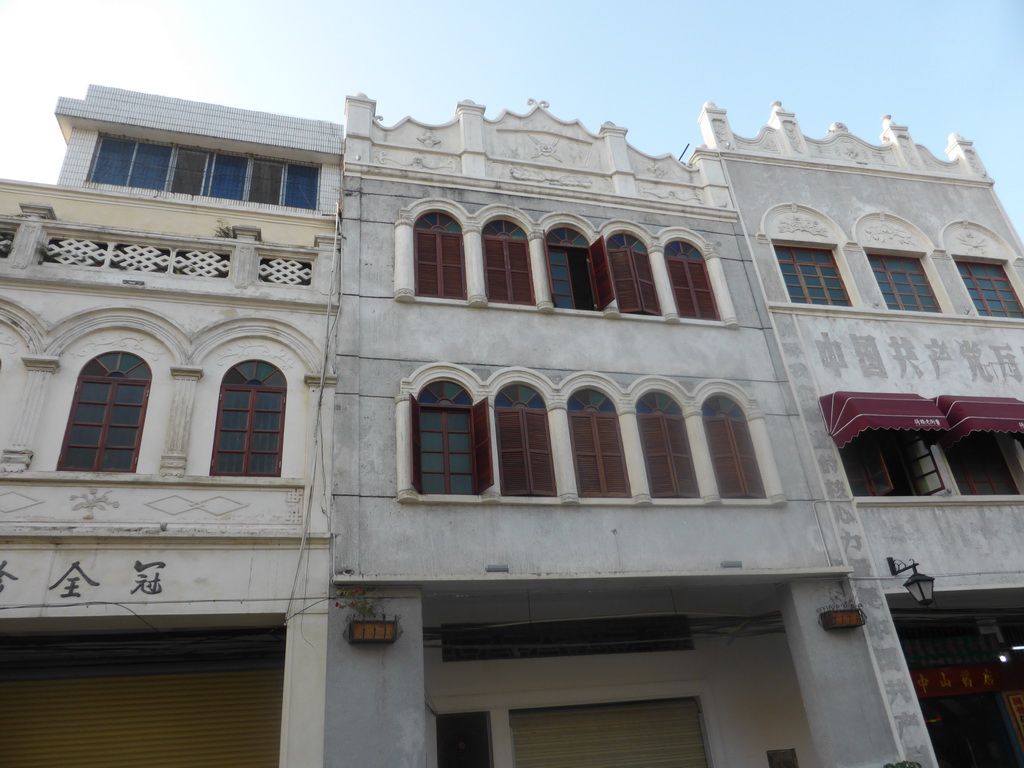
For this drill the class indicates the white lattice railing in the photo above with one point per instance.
(134, 257)
(285, 271)
(6, 243)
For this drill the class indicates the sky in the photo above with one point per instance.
(937, 67)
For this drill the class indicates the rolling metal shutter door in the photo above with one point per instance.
(212, 720)
(654, 734)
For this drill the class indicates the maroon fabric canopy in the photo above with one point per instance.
(847, 414)
(980, 414)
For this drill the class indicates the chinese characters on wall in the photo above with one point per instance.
(76, 583)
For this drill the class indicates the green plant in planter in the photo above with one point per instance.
(365, 602)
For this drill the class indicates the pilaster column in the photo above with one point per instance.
(471, 132)
(405, 272)
(663, 284)
(703, 467)
(632, 448)
(616, 154)
(962, 150)
(539, 272)
(765, 457)
(18, 456)
(28, 240)
(561, 454)
(305, 659)
(403, 461)
(898, 137)
(179, 427)
(723, 299)
(786, 123)
(474, 250)
(494, 492)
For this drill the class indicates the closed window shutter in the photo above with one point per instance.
(626, 289)
(612, 458)
(692, 289)
(584, 447)
(732, 453)
(417, 460)
(667, 453)
(520, 280)
(427, 282)
(497, 272)
(538, 445)
(645, 284)
(604, 292)
(650, 733)
(483, 472)
(748, 459)
(453, 282)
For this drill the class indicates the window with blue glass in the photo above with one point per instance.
(191, 171)
(451, 447)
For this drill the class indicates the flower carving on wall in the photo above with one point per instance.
(884, 232)
(802, 224)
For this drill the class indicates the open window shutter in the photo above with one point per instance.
(497, 273)
(538, 444)
(645, 284)
(584, 448)
(682, 458)
(626, 290)
(727, 471)
(426, 264)
(417, 468)
(453, 280)
(747, 458)
(604, 292)
(515, 479)
(613, 462)
(483, 472)
(520, 280)
(867, 457)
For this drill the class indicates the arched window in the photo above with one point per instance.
(666, 447)
(578, 270)
(597, 445)
(524, 447)
(691, 285)
(507, 262)
(732, 450)
(439, 264)
(250, 421)
(632, 276)
(105, 427)
(451, 446)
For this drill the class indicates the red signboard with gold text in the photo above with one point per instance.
(956, 681)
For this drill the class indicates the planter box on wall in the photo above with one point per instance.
(844, 619)
(382, 630)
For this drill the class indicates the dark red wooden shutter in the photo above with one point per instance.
(645, 284)
(682, 458)
(497, 272)
(747, 458)
(520, 279)
(621, 265)
(613, 462)
(515, 473)
(584, 448)
(723, 457)
(453, 279)
(656, 455)
(604, 292)
(483, 472)
(538, 446)
(692, 289)
(417, 470)
(426, 264)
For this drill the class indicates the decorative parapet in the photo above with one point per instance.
(783, 138)
(532, 149)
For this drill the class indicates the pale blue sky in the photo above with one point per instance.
(937, 67)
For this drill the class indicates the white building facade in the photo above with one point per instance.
(164, 337)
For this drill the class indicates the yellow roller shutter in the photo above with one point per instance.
(212, 720)
(654, 734)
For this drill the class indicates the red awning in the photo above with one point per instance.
(980, 414)
(847, 414)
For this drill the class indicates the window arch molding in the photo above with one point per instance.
(724, 307)
(554, 221)
(298, 344)
(24, 325)
(405, 250)
(792, 226)
(882, 234)
(758, 430)
(968, 241)
(73, 330)
(490, 213)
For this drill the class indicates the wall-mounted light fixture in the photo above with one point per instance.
(920, 586)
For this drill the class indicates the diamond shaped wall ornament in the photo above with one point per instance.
(15, 502)
(177, 505)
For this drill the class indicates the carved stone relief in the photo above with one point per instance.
(806, 224)
(888, 233)
(385, 156)
(254, 350)
(108, 342)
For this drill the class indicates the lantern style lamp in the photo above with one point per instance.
(920, 586)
